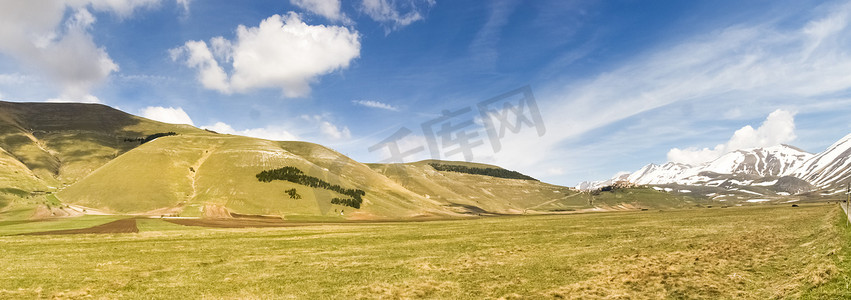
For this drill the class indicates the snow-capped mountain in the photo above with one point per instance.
(773, 161)
(593, 185)
(762, 167)
(829, 168)
(662, 174)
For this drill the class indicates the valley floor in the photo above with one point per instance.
(755, 252)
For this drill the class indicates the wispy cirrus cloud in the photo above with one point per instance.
(396, 14)
(762, 66)
(375, 104)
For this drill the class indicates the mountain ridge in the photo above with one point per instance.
(72, 159)
(827, 170)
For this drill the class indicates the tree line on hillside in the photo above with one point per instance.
(347, 202)
(150, 137)
(294, 175)
(492, 172)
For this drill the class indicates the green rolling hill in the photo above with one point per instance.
(195, 175)
(469, 192)
(91, 157)
(63, 142)
(465, 192)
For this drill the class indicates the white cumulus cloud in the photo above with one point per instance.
(282, 52)
(184, 4)
(328, 130)
(778, 128)
(53, 38)
(375, 104)
(314, 128)
(330, 9)
(167, 115)
(65, 98)
(198, 56)
(333, 132)
(269, 132)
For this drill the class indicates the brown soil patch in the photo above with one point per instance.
(120, 226)
(256, 217)
(165, 211)
(254, 221)
(44, 212)
(214, 211)
(41, 212)
(235, 223)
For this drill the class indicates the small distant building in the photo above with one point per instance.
(620, 184)
(623, 184)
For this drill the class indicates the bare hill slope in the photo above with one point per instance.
(92, 156)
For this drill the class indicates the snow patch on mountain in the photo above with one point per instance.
(784, 168)
(774, 161)
(833, 166)
(593, 185)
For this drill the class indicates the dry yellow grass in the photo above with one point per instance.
(746, 253)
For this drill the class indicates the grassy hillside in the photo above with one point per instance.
(475, 193)
(17, 182)
(486, 194)
(639, 198)
(16, 175)
(63, 142)
(91, 154)
(204, 175)
(194, 174)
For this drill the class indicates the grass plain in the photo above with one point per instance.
(758, 252)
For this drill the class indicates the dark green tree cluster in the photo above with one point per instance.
(157, 135)
(492, 172)
(150, 137)
(293, 194)
(347, 202)
(294, 175)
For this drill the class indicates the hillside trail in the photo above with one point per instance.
(554, 200)
(193, 174)
(40, 145)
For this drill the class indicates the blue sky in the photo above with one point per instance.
(618, 84)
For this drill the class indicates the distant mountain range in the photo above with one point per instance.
(69, 159)
(781, 169)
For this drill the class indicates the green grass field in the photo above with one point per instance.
(756, 252)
